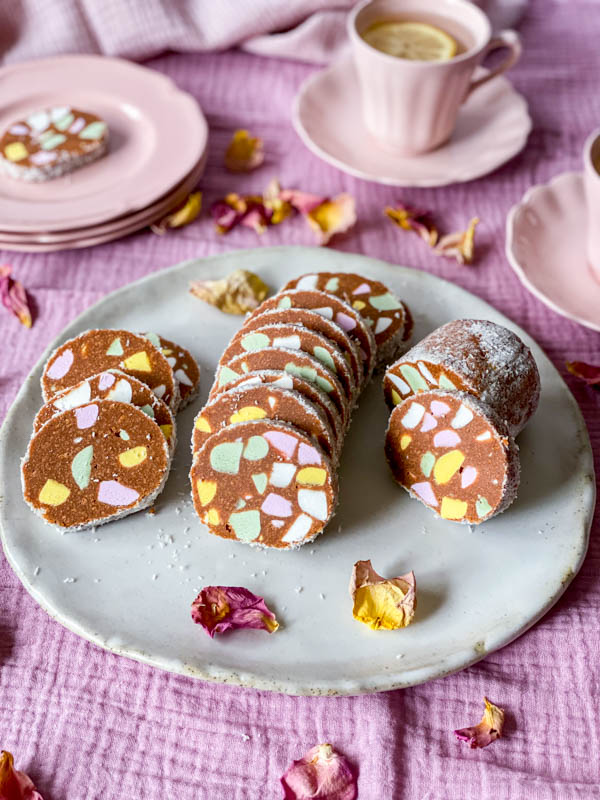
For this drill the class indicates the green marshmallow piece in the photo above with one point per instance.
(446, 383)
(63, 123)
(324, 384)
(226, 375)
(255, 341)
(52, 142)
(427, 462)
(414, 378)
(332, 285)
(124, 435)
(240, 504)
(246, 524)
(148, 411)
(93, 131)
(115, 348)
(81, 467)
(482, 507)
(324, 357)
(153, 337)
(256, 448)
(285, 302)
(385, 302)
(260, 481)
(225, 457)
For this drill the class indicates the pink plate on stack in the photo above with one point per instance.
(157, 152)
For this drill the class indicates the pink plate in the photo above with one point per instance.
(492, 127)
(157, 135)
(545, 245)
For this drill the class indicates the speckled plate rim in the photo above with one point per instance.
(454, 662)
(511, 221)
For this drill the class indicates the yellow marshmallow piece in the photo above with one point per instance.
(167, 430)
(206, 491)
(203, 425)
(138, 362)
(53, 493)
(358, 305)
(247, 413)
(395, 397)
(311, 476)
(405, 441)
(447, 465)
(133, 457)
(452, 508)
(15, 151)
(213, 517)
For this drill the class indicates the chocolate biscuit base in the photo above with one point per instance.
(265, 401)
(52, 142)
(333, 308)
(295, 337)
(93, 464)
(102, 349)
(184, 366)
(389, 318)
(452, 452)
(286, 380)
(319, 324)
(475, 356)
(264, 483)
(111, 385)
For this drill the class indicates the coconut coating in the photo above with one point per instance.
(184, 366)
(453, 453)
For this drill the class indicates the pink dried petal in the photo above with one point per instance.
(244, 152)
(414, 219)
(322, 774)
(221, 608)
(487, 731)
(332, 216)
(460, 245)
(258, 217)
(14, 297)
(301, 201)
(589, 373)
(185, 213)
(15, 785)
(225, 216)
(379, 602)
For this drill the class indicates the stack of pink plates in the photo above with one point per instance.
(158, 142)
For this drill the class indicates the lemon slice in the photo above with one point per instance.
(416, 41)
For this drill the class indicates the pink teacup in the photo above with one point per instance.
(591, 179)
(411, 107)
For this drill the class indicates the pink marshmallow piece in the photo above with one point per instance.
(308, 454)
(283, 442)
(438, 409)
(468, 476)
(429, 423)
(86, 416)
(106, 380)
(364, 288)
(114, 493)
(61, 365)
(425, 492)
(276, 506)
(446, 438)
(344, 321)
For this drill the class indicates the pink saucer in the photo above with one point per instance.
(545, 245)
(493, 126)
(157, 135)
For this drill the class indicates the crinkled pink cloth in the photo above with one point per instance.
(88, 724)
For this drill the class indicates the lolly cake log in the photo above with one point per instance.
(52, 142)
(293, 361)
(453, 453)
(317, 323)
(265, 401)
(93, 464)
(98, 350)
(183, 364)
(475, 356)
(388, 316)
(111, 385)
(294, 337)
(285, 380)
(264, 483)
(332, 308)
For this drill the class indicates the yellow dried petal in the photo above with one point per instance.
(460, 246)
(238, 293)
(244, 152)
(182, 215)
(379, 602)
(332, 216)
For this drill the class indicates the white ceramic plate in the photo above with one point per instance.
(546, 247)
(478, 589)
(493, 126)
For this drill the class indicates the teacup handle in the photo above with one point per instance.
(505, 39)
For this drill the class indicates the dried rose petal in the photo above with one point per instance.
(221, 608)
(238, 293)
(14, 297)
(414, 219)
(322, 774)
(235, 209)
(332, 216)
(382, 603)
(244, 152)
(488, 730)
(302, 201)
(273, 200)
(15, 785)
(460, 245)
(182, 215)
(586, 372)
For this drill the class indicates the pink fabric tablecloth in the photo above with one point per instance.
(87, 724)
